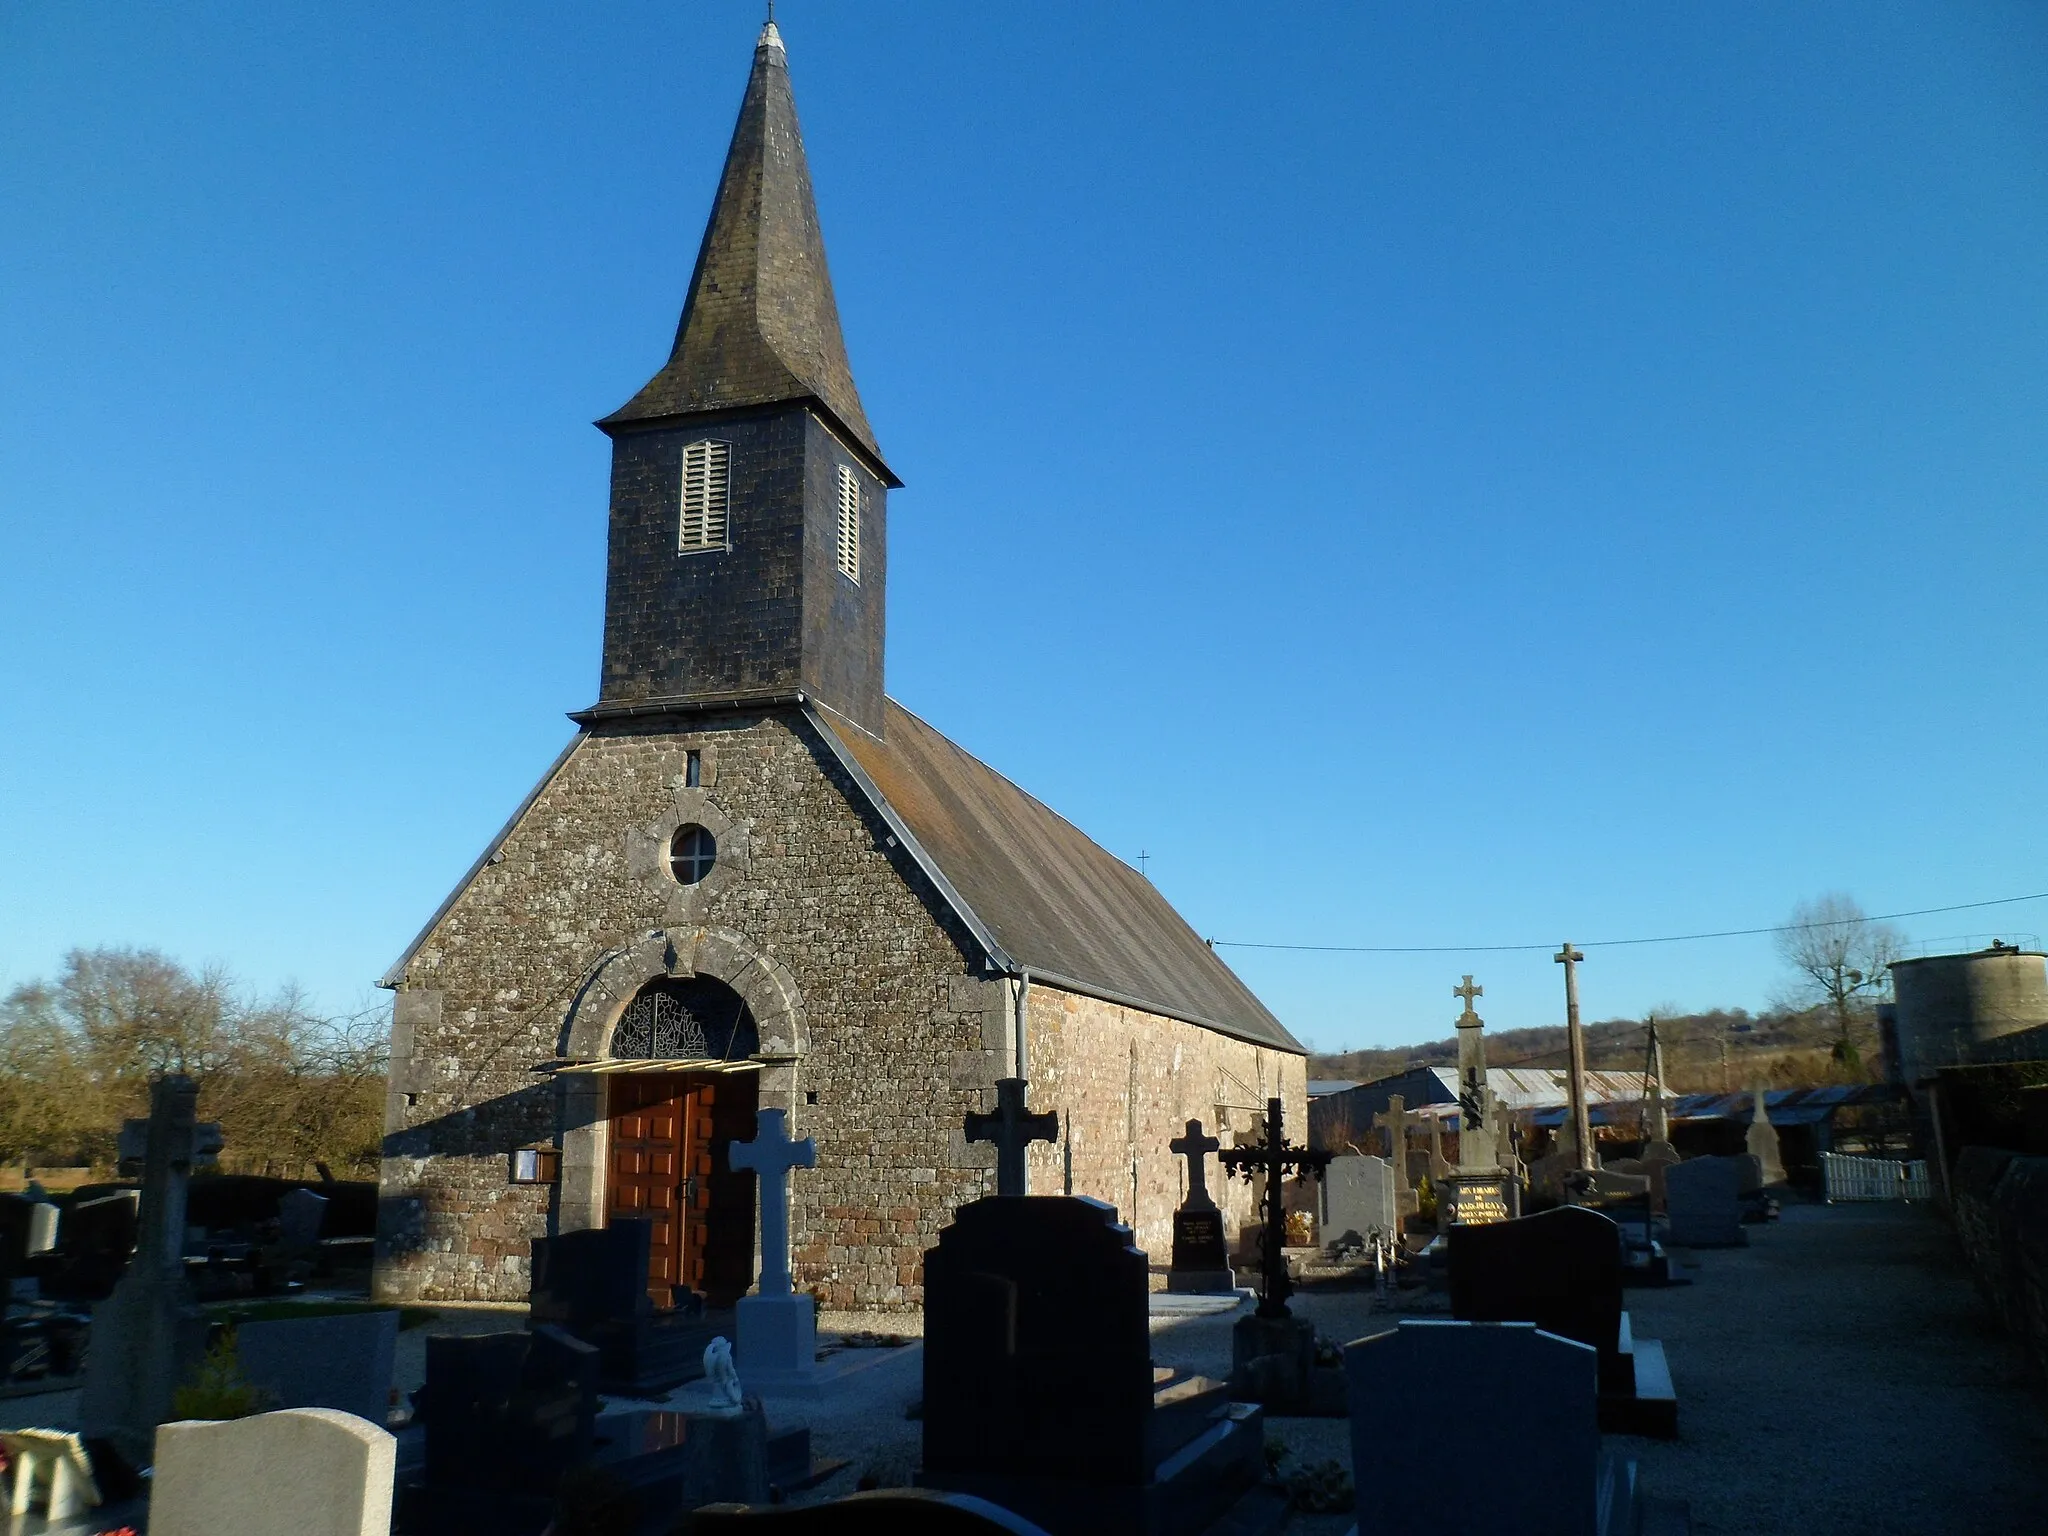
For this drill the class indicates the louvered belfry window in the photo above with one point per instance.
(849, 524)
(706, 474)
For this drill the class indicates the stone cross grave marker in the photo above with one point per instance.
(1438, 1167)
(1196, 1147)
(1012, 1128)
(1271, 1157)
(772, 1154)
(1762, 1140)
(149, 1335)
(310, 1471)
(1394, 1120)
(1201, 1259)
(778, 1329)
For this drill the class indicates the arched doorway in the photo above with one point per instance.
(671, 1125)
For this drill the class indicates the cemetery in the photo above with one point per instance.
(790, 1124)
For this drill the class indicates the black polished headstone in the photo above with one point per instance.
(1560, 1270)
(15, 1214)
(512, 1410)
(1037, 1350)
(595, 1276)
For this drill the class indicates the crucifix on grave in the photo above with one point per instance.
(149, 1335)
(1272, 1158)
(778, 1329)
(1012, 1128)
(1394, 1120)
(1201, 1259)
(1477, 1190)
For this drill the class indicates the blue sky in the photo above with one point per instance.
(1422, 475)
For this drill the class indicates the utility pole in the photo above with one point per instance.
(1582, 1124)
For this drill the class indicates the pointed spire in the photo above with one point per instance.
(760, 324)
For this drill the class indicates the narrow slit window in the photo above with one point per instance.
(849, 524)
(693, 769)
(706, 475)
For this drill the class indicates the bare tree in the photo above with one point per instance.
(1842, 960)
(290, 1087)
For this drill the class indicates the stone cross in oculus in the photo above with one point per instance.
(1012, 1128)
(771, 1154)
(1271, 1156)
(1196, 1147)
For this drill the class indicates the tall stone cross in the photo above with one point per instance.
(1272, 1157)
(1475, 1106)
(1196, 1147)
(1575, 1038)
(1394, 1120)
(771, 1154)
(1012, 1128)
(173, 1145)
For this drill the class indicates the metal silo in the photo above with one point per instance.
(1951, 1006)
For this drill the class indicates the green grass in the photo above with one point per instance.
(287, 1311)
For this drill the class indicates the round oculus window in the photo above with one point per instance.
(691, 853)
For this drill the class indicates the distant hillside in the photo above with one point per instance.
(1785, 1049)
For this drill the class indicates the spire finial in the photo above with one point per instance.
(771, 37)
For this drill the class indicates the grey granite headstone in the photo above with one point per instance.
(344, 1361)
(1703, 1199)
(299, 1218)
(1359, 1196)
(1464, 1455)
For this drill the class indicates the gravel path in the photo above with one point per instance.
(1842, 1375)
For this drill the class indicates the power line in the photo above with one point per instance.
(1669, 938)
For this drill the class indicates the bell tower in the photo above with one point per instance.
(748, 552)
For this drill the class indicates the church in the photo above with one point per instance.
(753, 879)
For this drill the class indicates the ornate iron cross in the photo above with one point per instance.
(1270, 1155)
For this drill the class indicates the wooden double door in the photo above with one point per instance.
(669, 1166)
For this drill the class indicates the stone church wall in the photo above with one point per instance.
(901, 1034)
(900, 1038)
(1132, 1080)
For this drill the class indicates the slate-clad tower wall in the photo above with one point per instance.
(769, 616)
(759, 366)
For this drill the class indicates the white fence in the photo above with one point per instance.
(1872, 1178)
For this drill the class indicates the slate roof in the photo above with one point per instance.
(760, 325)
(1039, 890)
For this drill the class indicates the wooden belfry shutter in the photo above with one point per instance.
(849, 524)
(706, 471)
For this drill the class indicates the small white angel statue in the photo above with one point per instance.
(725, 1381)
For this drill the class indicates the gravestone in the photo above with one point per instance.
(343, 1361)
(1762, 1140)
(1012, 1127)
(503, 1416)
(300, 1216)
(1465, 1455)
(44, 1223)
(1703, 1199)
(14, 1234)
(778, 1329)
(148, 1337)
(307, 1471)
(593, 1285)
(1562, 1270)
(1395, 1120)
(1359, 1192)
(1201, 1259)
(1039, 1389)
